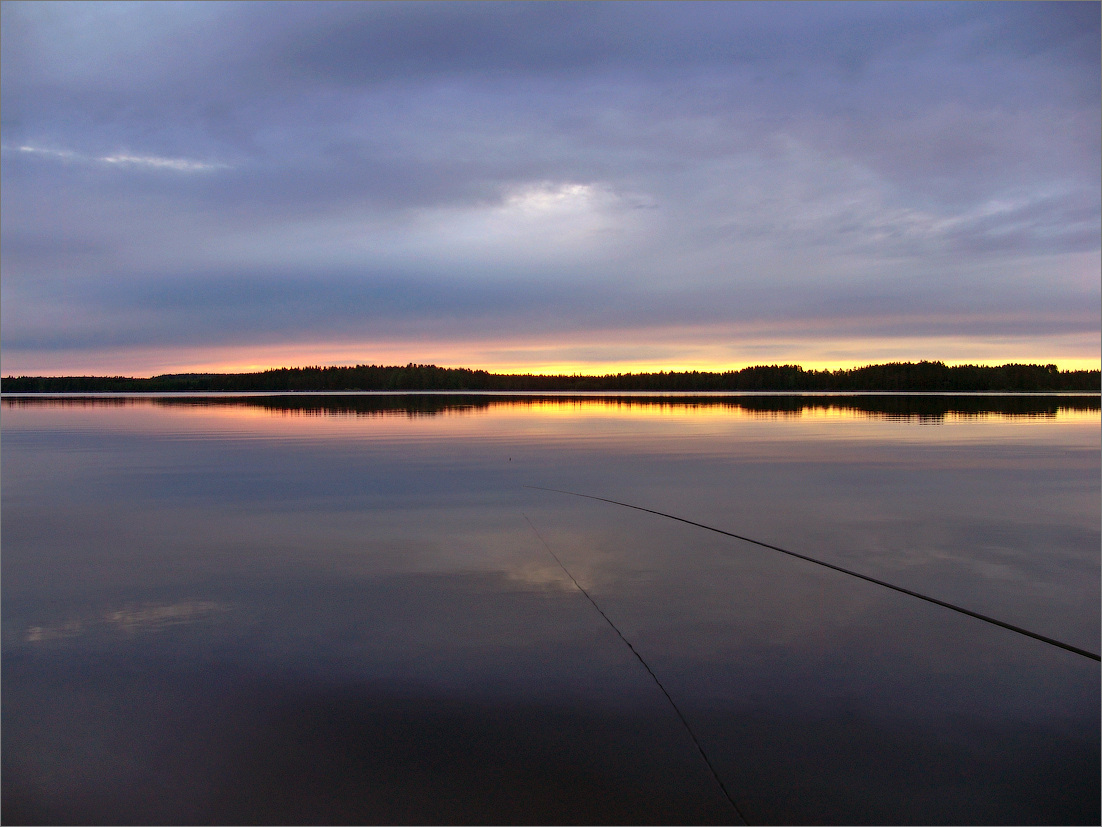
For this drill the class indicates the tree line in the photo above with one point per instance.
(893, 376)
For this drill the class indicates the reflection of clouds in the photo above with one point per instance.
(156, 617)
(537, 576)
(37, 634)
(145, 617)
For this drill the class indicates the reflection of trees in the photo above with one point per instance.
(923, 407)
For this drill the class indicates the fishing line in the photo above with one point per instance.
(927, 598)
(650, 671)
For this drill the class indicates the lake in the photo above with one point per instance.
(364, 608)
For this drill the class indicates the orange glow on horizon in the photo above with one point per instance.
(551, 369)
(670, 351)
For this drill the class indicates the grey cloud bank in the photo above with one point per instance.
(714, 182)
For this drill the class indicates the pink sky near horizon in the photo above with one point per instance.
(506, 357)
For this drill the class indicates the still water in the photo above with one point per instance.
(327, 609)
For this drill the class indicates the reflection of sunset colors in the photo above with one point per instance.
(667, 422)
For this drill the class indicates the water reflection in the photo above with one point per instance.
(129, 620)
(924, 406)
(214, 611)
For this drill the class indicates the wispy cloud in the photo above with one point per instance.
(62, 154)
(120, 159)
(178, 164)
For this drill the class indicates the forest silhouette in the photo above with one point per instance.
(894, 376)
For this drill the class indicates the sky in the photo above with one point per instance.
(548, 187)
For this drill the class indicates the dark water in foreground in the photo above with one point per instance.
(338, 609)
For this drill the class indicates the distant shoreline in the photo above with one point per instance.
(894, 376)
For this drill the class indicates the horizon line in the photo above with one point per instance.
(260, 370)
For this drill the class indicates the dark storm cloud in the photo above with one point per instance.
(227, 170)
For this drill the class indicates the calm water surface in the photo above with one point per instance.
(347, 609)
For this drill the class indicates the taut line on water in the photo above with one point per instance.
(994, 621)
(650, 671)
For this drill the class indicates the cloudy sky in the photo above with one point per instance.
(547, 187)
